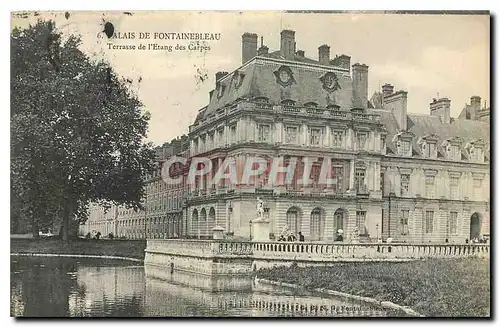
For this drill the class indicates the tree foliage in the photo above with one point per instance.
(77, 131)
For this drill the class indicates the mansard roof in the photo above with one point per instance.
(423, 125)
(277, 55)
(260, 80)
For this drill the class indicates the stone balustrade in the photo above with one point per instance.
(315, 251)
(196, 248)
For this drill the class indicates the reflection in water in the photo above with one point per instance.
(62, 287)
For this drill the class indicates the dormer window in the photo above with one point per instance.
(428, 145)
(453, 149)
(404, 147)
(333, 107)
(476, 154)
(220, 90)
(288, 103)
(455, 153)
(476, 150)
(429, 150)
(403, 141)
(311, 105)
(261, 100)
(382, 143)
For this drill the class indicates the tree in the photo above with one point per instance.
(77, 131)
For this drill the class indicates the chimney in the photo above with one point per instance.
(287, 49)
(475, 104)
(324, 54)
(359, 85)
(220, 75)
(248, 46)
(301, 53)
(441, 109)
(263, 50)
(342, 61)
(387, 89)
(397, 103)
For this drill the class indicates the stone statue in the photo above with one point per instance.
(260, 208)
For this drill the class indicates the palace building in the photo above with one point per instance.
(411, 177)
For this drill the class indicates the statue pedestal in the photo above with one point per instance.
(218, 233)
(260, 228)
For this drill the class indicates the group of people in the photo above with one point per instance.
(97, 235)
(480, 239)
(288, 236)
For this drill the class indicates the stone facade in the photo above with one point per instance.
(410, 177)
(414, 178)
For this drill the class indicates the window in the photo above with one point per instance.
(362, 137)
(382, 176)
(288, 103)
(291, 133)
(476, 154)
(315, 136)
(210, 144)
(454, 188)
(455, 153)
(431, 149)
(360, 179)
(360, 222)
(405, 148)
(405, 185)
(477, 188)
(453, 223)
(403, 223)
(338, 137)
(315, 225)
(292, 220)
(220, 134)
(429, 222)
(264, 133)
(429, 186)
(311, 105)
(233, 133)
(337, 173)
(382, 143)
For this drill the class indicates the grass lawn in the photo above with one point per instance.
(122, 248)
(434, 288)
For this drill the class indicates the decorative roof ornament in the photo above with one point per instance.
(284, 76)
(330, 82)
(238, 78)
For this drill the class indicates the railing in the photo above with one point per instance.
(348, 251)
(315, 251)
(315, 111)
(291, 109)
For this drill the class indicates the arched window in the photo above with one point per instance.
(261, 100)
(288, 102)
(338, 220)
(293, 220)
(194, 222)
(203, 222)
(333, 107)
(317, 215)
(311, 105)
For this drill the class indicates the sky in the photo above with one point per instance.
(426, 55)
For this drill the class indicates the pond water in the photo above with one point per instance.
(67, 287)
